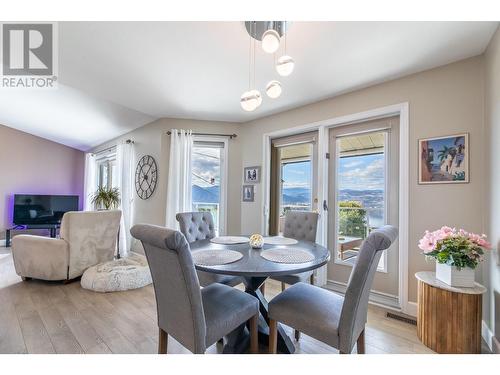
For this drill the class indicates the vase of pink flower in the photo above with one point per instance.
(457, 254)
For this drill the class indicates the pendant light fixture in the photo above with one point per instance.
(285, 64)
(273, 89)
(270, 41)
(270, 34)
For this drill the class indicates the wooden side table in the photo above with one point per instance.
(449, 318)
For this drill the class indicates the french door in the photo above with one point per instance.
(294, 175)
(363, 196)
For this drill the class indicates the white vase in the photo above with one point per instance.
(453, 276)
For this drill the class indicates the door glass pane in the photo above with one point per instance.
(206, 180)
(296, 189)
(360, 192)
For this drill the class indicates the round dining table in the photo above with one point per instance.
(254, 269)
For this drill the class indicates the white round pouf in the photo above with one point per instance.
(127, 273)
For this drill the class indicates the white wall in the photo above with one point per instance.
(491, 199)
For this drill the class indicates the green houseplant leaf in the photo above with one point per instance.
(106, 198)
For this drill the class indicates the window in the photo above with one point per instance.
(107, 171)
(360, 191)
(208, 179)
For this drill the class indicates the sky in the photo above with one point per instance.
(297, 175)
(206, 166)
(361, 172)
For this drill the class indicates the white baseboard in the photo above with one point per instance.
(376, 298)
(412, 309)
(487, 335)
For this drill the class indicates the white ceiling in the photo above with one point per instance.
(116, 76)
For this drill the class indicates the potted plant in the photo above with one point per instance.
(457, 254)
(106, 198)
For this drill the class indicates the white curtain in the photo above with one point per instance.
(125, 181)
(179, 197)
(89, 183)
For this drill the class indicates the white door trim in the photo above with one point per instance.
(401, 109)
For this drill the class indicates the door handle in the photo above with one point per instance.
(325, 206)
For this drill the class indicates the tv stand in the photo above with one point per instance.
(52, 228)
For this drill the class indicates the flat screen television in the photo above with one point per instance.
(39, 210)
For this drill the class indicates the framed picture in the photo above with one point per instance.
(248, 193)
(444, 160)
(251, 175)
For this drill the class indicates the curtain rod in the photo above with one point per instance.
(231, 136)
(128, 141)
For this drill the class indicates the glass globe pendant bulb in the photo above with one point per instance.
(257, 96)
(250, 100)
(270, 41)
(285, 66)
(273, 89)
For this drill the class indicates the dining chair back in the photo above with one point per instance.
(355, 307)
(196, 225)
(336, 320)
(178, 296)
(301, 225)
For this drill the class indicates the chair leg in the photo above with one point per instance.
(283, 286)
(254, 334)
(263, 288)
(162, 342)
(361, 343)
(297, 335)
(273, 336)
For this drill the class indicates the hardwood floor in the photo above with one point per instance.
(45, 317)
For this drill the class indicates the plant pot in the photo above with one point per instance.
(453, 276)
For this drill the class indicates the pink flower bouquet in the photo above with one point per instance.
(454, 248)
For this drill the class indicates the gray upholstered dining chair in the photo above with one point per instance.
(195, 317)
(335, 320)
(302, 226)
(198, 226)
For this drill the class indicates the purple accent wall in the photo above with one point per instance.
(33, 165)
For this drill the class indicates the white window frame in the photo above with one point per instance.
(223, 176)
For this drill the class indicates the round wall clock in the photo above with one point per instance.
(146, 176)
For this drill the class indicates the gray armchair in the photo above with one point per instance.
(195, 317)
(335, 320)
(198, 226)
